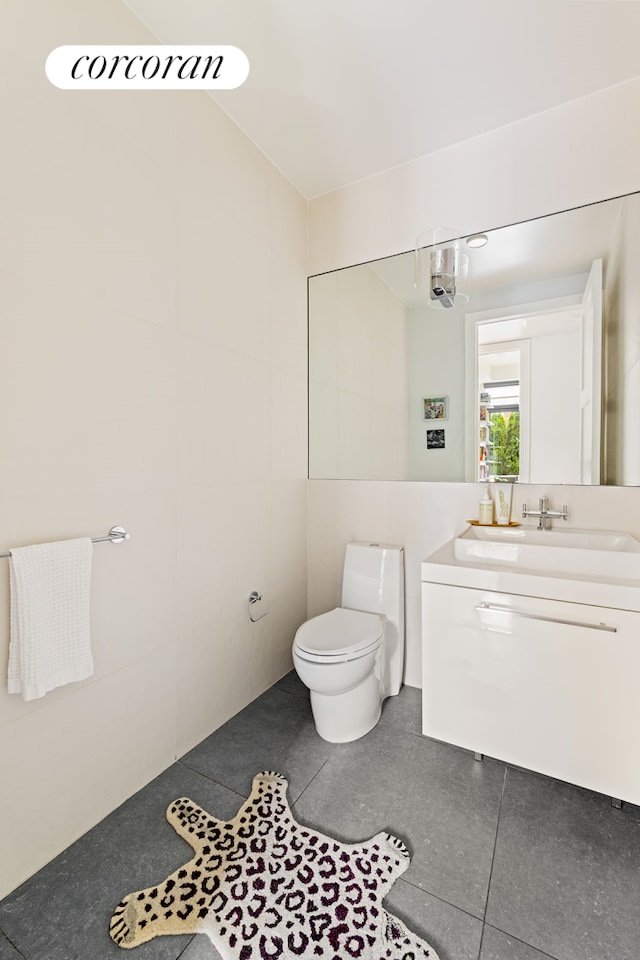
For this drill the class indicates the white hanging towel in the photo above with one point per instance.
(50, 640)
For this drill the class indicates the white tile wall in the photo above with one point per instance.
(153, 374)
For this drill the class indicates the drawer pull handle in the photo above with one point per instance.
(497, 608)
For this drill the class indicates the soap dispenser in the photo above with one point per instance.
(486, 508)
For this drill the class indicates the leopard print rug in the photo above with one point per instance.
(262, 886)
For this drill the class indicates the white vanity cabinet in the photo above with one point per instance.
(549, 685)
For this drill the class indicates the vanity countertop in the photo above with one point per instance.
(443, 567)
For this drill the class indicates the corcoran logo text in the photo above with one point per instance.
(147, 67)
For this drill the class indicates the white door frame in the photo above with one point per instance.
(473, 321)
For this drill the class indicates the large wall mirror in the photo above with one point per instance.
(535, 377)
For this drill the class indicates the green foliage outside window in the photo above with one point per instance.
(505, 437)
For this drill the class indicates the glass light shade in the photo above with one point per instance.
(441, 269)
(477, 240)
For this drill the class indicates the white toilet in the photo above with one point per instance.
(352, 658)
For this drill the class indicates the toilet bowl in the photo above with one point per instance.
(351, 658)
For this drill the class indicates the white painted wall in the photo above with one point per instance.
(436, 368)
(358, 377)
(578, 153)
(153, 374)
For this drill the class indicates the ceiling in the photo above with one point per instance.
(339, 90)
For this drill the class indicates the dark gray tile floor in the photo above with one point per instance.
(505, 864)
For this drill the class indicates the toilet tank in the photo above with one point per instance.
(373, 580)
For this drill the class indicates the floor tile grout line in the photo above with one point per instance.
(218, 783)
(182, 952)
(313, 778)
(525, 943)
(443, 743)
(440, 899)
(493, 852)
(11, 943)
(484, 923)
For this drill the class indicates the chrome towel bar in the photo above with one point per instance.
(115, 535)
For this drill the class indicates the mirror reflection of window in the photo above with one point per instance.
(499, 414)
(499, 457)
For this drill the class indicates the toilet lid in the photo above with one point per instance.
(339, 633)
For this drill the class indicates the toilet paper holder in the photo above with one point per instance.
(254, 597)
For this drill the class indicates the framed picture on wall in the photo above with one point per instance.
(435, 439)
(436, 408)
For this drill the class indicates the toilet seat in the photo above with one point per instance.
(339, 636)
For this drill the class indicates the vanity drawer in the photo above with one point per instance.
(547, 685)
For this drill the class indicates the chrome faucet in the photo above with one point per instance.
(545, 515)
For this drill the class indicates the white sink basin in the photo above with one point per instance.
(599, 552)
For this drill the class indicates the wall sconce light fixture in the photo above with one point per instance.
(441, 269)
